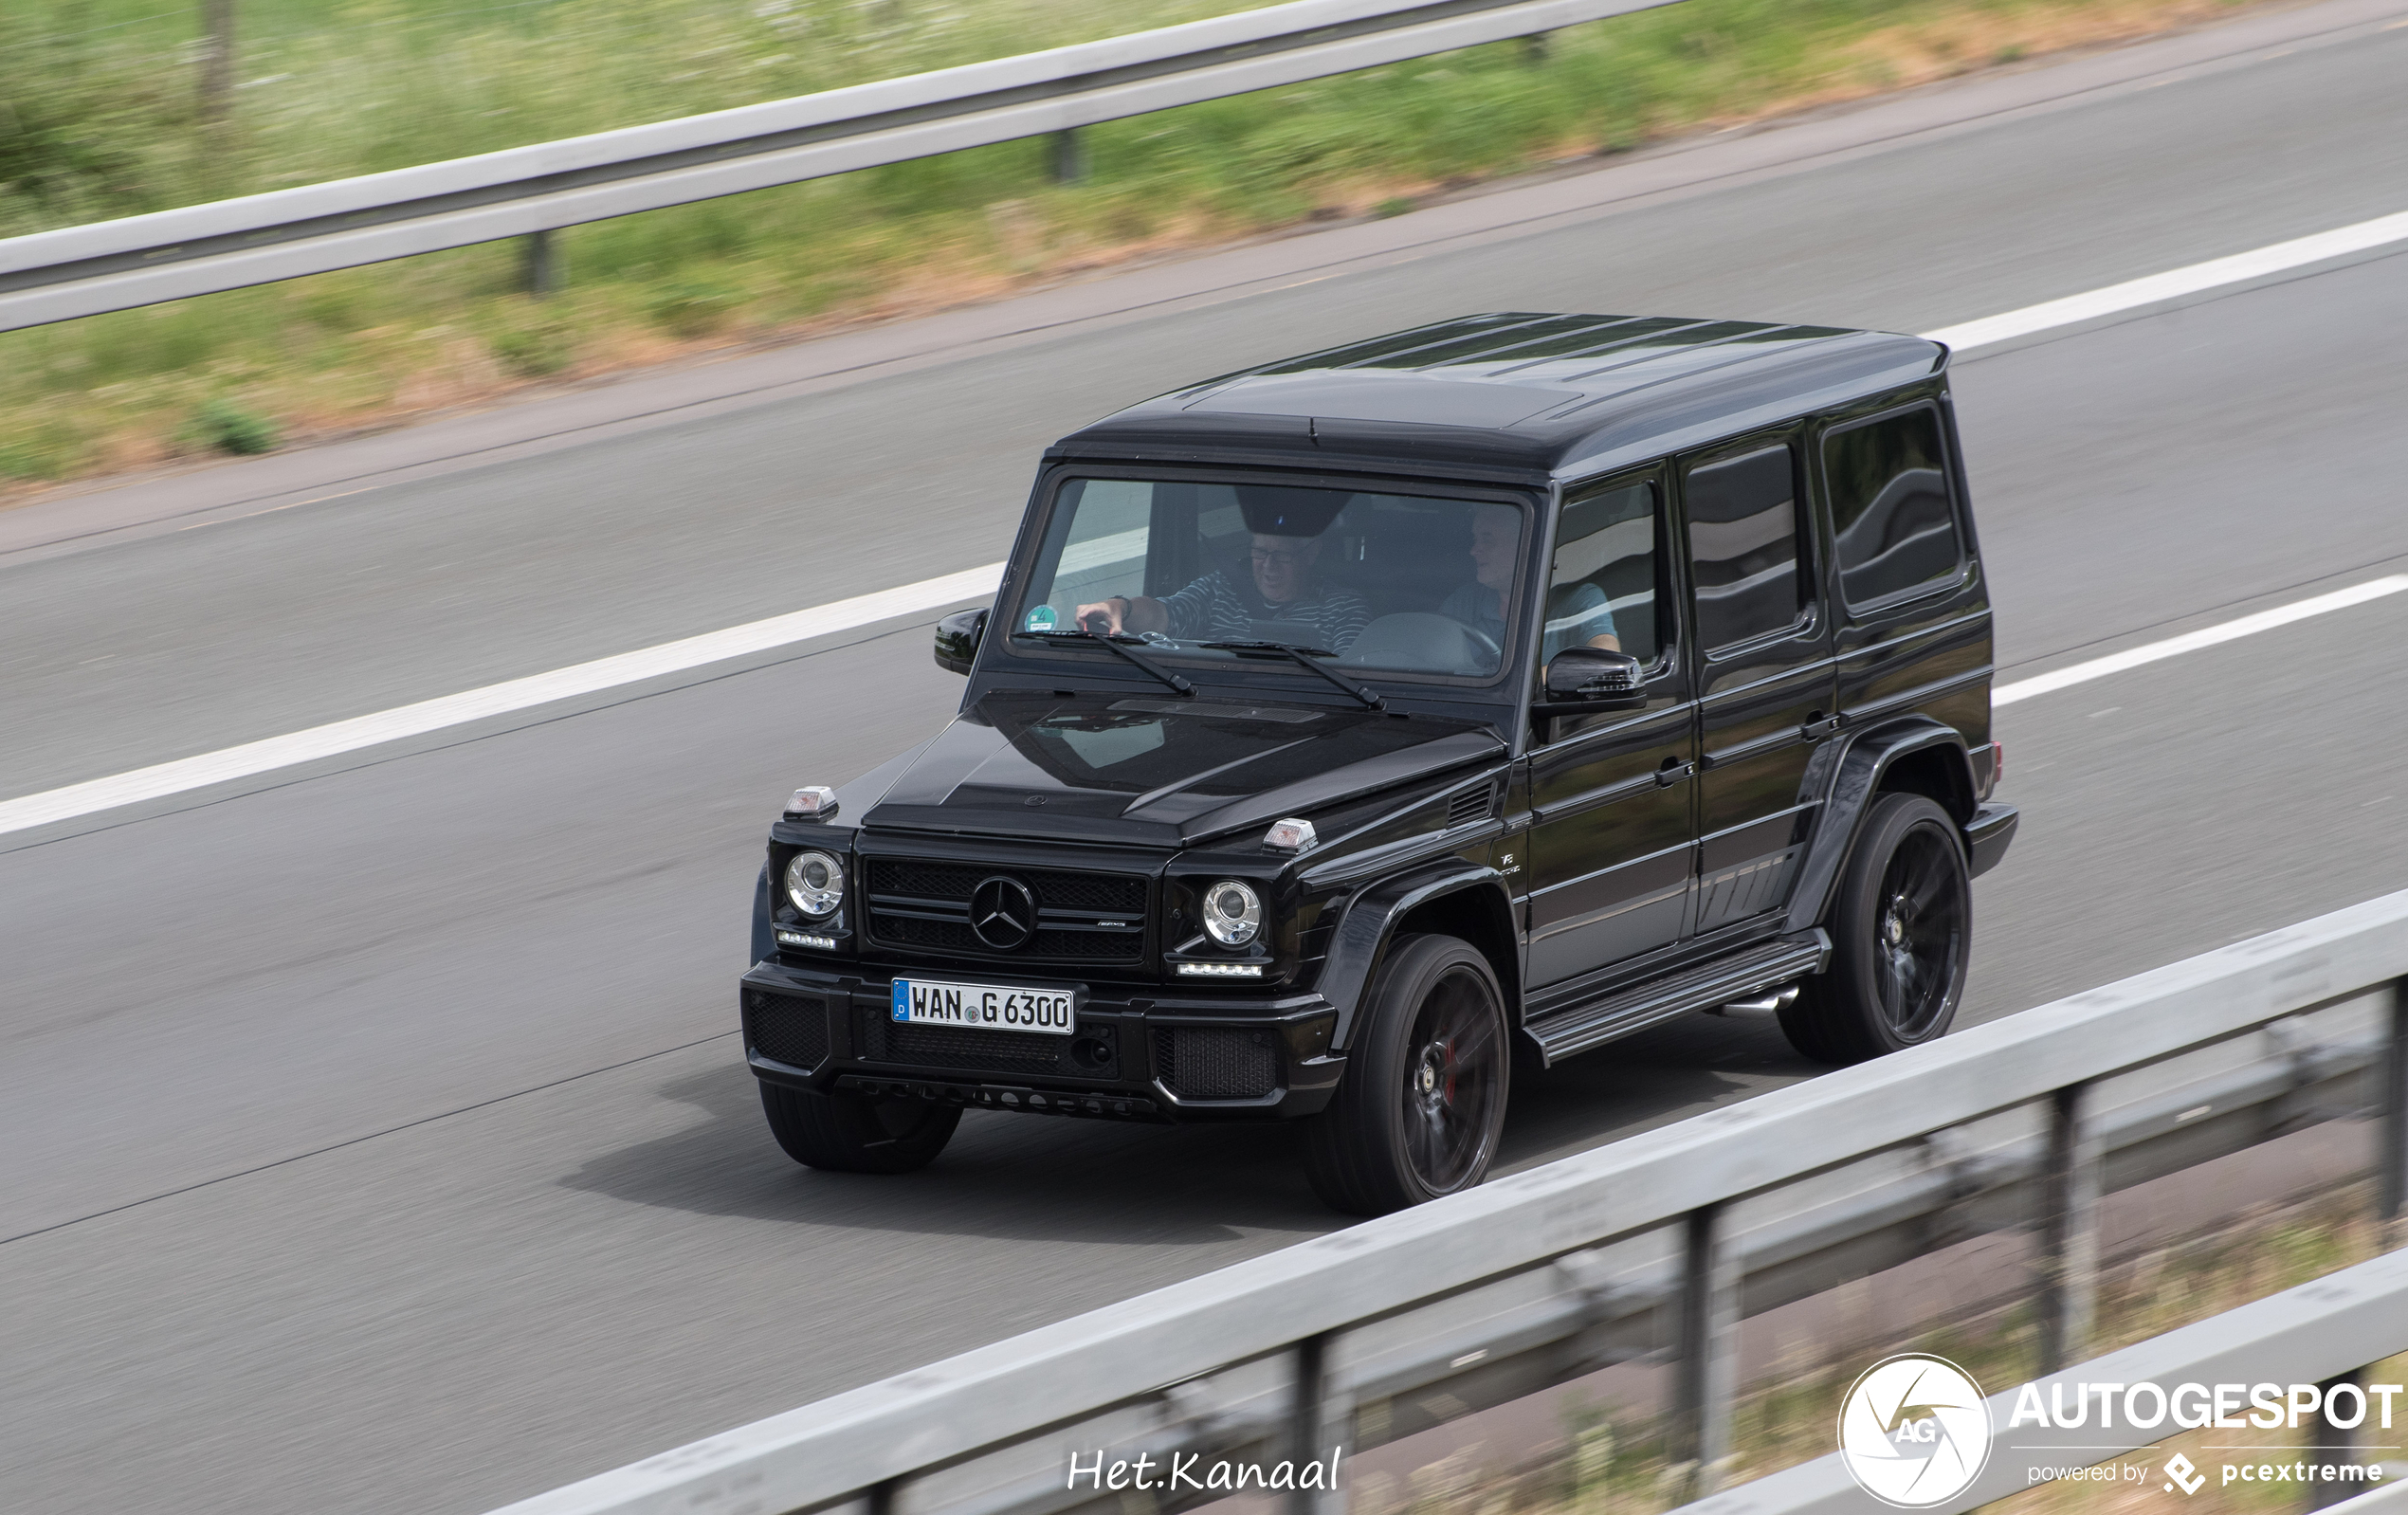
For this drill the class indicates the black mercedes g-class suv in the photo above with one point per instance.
(1351, 729)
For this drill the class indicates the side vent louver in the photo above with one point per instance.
(1469, 806)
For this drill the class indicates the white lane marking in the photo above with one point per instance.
(340, 737)
(2340, 600)
(254, 758)
(2217, 273)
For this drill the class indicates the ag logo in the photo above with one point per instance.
(1913, 1431)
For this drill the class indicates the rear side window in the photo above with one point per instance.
(1742, 521)
(1895, 530)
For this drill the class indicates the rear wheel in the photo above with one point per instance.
(1902, 929)
(850, 1133)
(1422, 1104)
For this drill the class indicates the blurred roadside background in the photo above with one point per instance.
(112, 108)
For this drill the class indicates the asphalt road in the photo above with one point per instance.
(375, 1138)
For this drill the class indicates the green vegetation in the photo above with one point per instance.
(100, 118)
(225, 426)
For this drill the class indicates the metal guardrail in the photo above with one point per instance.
(52, 276)
(2319, 1332)
(1369, 1333)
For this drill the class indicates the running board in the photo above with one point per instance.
(1708, 984)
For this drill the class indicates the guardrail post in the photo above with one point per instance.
(1304, 1421)
(2069, 1261)
(1708, 1370)
(217, 60)
(542, 263)
(2391, 1164)
(1067, 156)
(2331, 1445)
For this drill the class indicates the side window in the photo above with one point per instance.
(1602, 587)
(1890, 511)
(1742, 521)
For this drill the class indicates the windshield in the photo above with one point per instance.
(1373, 583)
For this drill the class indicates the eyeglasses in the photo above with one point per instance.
(1266, 555)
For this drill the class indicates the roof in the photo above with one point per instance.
(1518, 393)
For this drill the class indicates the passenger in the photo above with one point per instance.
(1576, 613)
(1217, 608)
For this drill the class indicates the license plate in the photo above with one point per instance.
(987, 1007)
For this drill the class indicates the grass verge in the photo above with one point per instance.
(100, 121)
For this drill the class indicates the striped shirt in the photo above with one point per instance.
(1218, 608)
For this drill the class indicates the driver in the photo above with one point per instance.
(1220, 608)
(1576, 613)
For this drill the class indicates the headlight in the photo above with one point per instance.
(815, 882)
(1233, 913)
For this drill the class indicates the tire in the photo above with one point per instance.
(1902, 931)
(1422, 1104)
(849, 1133)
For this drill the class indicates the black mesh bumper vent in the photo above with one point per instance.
(881, 1040)
(1217, 1063)
(788, 1028)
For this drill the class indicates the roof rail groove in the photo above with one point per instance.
(1387, 359)
(1506, 349)
(1679, 326)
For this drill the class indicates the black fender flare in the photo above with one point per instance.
(763, 946)
(1360, 946)
(1850, 775)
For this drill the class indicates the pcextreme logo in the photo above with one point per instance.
(2183, 1471)
(1914, 1430)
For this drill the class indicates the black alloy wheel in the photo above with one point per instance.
(853, 1133)
(1422, 1104)
(1902, 931)
(1921, 932)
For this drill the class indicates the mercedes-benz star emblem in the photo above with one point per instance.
(1003, 913)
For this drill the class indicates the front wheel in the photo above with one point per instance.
(1901, 930)
(850, 1133)
(1422, 1104)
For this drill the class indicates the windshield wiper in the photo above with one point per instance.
(1302, 657)
(1178, 685)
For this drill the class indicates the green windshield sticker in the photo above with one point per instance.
(1041, 619)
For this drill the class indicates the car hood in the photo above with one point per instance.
(1163, 773)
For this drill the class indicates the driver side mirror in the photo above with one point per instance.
(958, 638)
(1593, 677)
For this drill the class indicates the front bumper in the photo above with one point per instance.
(1138, 1054)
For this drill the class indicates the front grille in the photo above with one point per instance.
(925, 906)
(955, 936)
(1101, 893)
(881, 1040)
(1216, 1062)
(790, 1029)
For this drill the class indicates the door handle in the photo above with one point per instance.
(1818, 726)
(1673, 772)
